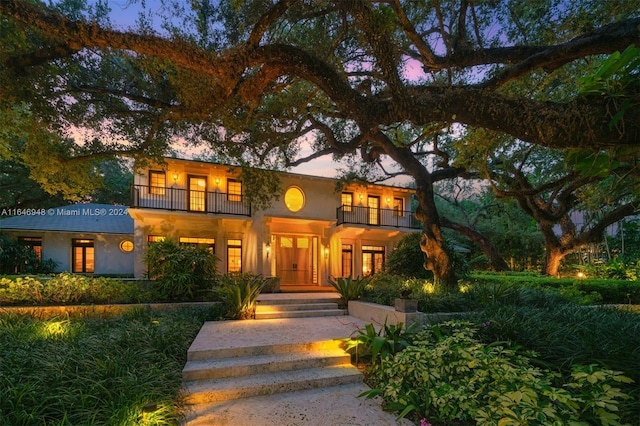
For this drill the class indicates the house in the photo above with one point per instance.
(312, 233)
(80, 238)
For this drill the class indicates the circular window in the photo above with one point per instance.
(126, 246)
(294, 199)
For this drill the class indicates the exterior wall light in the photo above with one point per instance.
(268, 249)
(175, 177)
(326, 253)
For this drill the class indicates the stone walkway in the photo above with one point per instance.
(330, 406)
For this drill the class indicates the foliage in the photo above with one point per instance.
(239, 292)
(447, 374)
(186, 73)
(564, 334)
(16, 258)
(374, 345)
(585, 290)
(68, 289)
(349, 288)
(85, 370)
(407, 259)
(180, 271)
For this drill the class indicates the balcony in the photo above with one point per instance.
(177, 199)
(361, 215)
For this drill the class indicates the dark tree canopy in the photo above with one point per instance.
(366, 78)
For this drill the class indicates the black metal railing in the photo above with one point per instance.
(362, 215)
(178, 199)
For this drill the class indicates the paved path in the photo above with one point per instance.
(332, 406)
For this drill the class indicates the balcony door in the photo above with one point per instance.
(374, 210)
(197, 193)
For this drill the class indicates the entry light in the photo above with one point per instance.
(326, 252)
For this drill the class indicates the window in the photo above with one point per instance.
(347, 201)
(157, 182)
(155, 239)
(294, 199)
(34, 243)
(82, 256)
(347, 260)
(234, 255)
(197, 193)
(234, 190)
(210, 243)
(126, 246)
(372, 259)
(398, 207)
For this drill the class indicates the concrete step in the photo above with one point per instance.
(295, 307)
(198, 392)
(262, 364)
(258, 350)
(301, 314)
(296, 299)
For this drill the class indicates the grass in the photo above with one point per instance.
(96, 371)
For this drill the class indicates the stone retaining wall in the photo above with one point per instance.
(372, 312)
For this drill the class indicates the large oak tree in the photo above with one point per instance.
(264, 75)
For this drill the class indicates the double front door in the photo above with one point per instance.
(297, 259)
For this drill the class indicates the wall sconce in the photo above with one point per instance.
(326, 253)
(175, 177)
(360, 197)
(217, 181)
(388, 201)
(268, 249)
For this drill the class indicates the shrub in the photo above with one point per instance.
(16, 258)
(448, 374)
(180, 271)
(239, 292)
(349, 288)
(67, 289)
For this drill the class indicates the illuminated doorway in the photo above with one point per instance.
(297, 259)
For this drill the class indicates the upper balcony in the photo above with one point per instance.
(188, 200)
(362, 215)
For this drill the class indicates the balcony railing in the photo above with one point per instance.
(361, 215)
(177, 199)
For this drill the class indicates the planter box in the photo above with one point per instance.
(406, 305)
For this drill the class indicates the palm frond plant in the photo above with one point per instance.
(239, 292)
(349, 288)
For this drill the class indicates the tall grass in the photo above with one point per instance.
(95, 371)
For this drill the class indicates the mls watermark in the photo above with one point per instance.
(78, 211)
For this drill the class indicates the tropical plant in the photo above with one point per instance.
(180, 271)
(239, 292)
(447, 374)
(375, 344)
(349, 288)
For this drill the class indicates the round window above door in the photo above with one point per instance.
(294, 199)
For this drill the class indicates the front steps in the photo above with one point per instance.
(278, 305)
(223, 374)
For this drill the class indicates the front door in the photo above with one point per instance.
(295, 263)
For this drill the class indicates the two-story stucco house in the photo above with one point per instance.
(312, 233)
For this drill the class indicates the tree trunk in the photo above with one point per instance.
(496, 261)
(552, 261)
(437, 259)
(431, 243)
